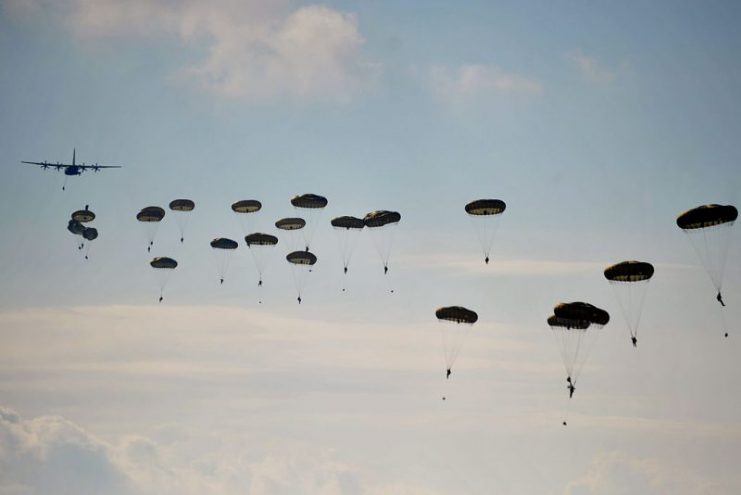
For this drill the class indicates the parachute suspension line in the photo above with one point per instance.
(631, 297)
(712, 250)
(452, 337)
(486, 229)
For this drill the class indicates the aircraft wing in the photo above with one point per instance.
(46, 164)
(88, 167)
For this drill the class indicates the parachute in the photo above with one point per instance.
(301, 263)
(150, 217)
(291, 226)
(629, 280)
(75, 227)
(313, 204)
(382, 224)
(484, 215)
(182, 207)
(163, 268)
(245, 210)
(576, 327)
(83, 216)
(223, 249)
(89, 234)
(708, 228)
(453, 335)
(261, 246)
(348, 231)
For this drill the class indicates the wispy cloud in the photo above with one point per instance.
(479, 80)
(592, 70)
(242, 49)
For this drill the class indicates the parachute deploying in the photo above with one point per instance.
(223, 249)
(629, 280)
(348, 232)
(576, 327)
(313, 205)
(76, 226)
(301, 263)
(382, 225)
(484, 215)
(262, 247)
(457, 320)
(163, 268)
(150, 217)
(182, 208)
(708, 228)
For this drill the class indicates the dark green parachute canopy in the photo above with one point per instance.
(486, 207)
(75, 227)
(629, 271)
(707, 216)
(182, 205)
(309, 201)
(348, 223)
(555, 321)
(290, 223)
(151, 214)
(260, 239)
(224, 243)
(301, 258)
(83, 216)
(163, 262)
(457, 314)
(246, 206)
(582, 311)
(379, 218)
(90, 233)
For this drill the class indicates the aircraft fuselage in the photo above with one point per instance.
(73, 170)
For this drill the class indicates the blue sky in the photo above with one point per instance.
(596, 122)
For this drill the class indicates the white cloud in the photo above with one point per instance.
(50, 454)
(591, 69)
(615, 473)
(248, 49)
(478, 80)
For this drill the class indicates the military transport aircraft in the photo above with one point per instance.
(71, 169)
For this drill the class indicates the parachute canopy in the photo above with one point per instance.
(260, 239)
(246, 206)
(90, 233)
(75, 227)
(309, 201)
(163, 262)
(224, 243)
(707, 216)
(83, 216)
(629, 271)
(457, 314)
(290, 223)
(380, 218)
(347, 223)
(301, 258)
(582, 311)
(568, 324)
(182, 205)
(486, 207)
(151, 214)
